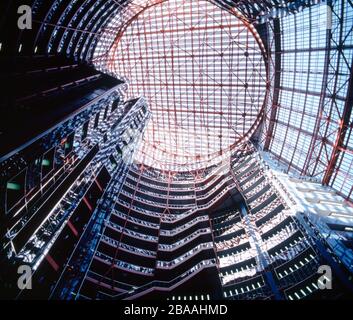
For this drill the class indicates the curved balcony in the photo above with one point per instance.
(275, 229)
(224, 232)
(169, 269)
(257, 190)
(251, 187)
(303, 265)
(105, 283)
(149, 206)
(181, 259)
(128, 248)
(161, 190)
(281, 237)
(128, 206)
(141, 176)
(273, 222)
(245, 162)
(169, 252)
(158, 197)
(178, 244)
(128, 253)
(260, 200)
(252, 288)
(172, 217)
(269, 212)
(177, 204)
(135, 220)
(134, 234)
(249, 176)
(122, 276)
(225, 220)
(238, 272)
(233, 250)
(171, 187)
(128, 224)
(189, 224)
(236, 258)
(188, 179)
(169, 239)
(247, 170)
(122, 265)
(231, 243)
(131, 212)
(303, 289)
(287, 249)
(167, 285)
(252, 181)
(265, 201)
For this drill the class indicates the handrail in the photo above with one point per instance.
(169, 285)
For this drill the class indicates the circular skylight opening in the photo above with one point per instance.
(202, 72)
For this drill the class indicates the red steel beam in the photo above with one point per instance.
(341, 134)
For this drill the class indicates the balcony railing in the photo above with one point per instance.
(179, 260)
(187, 239)
(123, 265)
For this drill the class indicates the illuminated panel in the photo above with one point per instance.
(202, 72)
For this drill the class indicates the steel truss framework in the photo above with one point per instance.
(310, 121)
(203, 74)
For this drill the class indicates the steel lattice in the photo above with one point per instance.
(202, 72)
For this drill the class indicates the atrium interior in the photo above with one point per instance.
(176, 150)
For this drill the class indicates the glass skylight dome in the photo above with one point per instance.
(202, 72)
